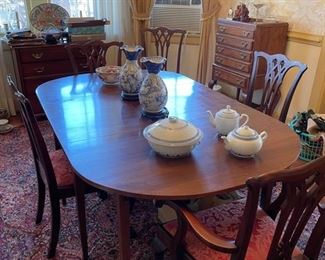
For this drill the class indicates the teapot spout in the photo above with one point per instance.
(227, 145)
(211, 118)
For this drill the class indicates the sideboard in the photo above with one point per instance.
(235, 44)
(36, 64)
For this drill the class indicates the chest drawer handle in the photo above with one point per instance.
(241, 66)
(221, 39)
(244, 44)
(39, 70)
(245, 33)
(240, 81)
(37, 55)
(222, 28)
(243, 56)
(83, 65)
(220, 49)
(220, 60)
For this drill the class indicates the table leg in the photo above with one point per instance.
(124, 227)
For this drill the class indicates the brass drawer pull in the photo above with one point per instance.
(220, 49)
(240, 81)
(37, 55)
(241, 66)
(243, 56)
(83, 66)
(40, 70)
(222, 28)
(245, 33)
(220, 60)
(244, 44)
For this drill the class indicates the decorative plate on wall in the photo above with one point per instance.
(47, 16)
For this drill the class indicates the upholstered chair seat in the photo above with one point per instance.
(63, 171)
(224, 220)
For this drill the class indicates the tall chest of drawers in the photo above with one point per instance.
(235, 45)
(36, 64)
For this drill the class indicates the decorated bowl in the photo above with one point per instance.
(172, 137)
(109, 74)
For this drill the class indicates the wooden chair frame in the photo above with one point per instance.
(46, 178)
(304, 189)
(162, 38)
(277, 66)
(94, 52)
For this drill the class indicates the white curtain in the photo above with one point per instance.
(119, 14)
(6, 97)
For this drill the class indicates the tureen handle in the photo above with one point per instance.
(247, 118)
(263, 135)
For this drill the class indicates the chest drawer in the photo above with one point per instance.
(235, 42)
(235, 79)
(232, 63)
(234, 53)
(42, 54)
(46, 68)
(235, 31)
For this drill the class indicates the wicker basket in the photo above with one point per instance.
(311, 146)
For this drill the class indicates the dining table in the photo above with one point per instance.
(102, 137)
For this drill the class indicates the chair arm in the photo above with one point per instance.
(205, 235)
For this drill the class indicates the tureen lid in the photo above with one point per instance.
(172, 131)
(227, 113)
(245, 132)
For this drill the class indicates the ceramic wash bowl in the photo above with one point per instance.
(109, 74)
(172, 137)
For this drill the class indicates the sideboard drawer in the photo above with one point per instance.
(235, 42)
(46, 68)
(232, 63)
(42, 54)
(234, 53)
(235, 31)
(235, 79)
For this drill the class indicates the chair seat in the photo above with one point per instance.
(62, 169)
(224, 220)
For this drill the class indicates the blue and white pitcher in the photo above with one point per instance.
(131, 73)
(153, 92)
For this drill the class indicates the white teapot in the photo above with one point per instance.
(226, 120)
(244, 141)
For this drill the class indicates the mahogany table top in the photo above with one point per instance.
(102, 138)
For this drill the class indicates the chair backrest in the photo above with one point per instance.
(276, 67)
(92, 54)
(39, 149)
(304, 188)
(162, 39)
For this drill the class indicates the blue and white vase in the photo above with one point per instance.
(131, 73)
(153, 92)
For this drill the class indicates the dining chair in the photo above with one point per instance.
(162, 37)
(276, 67)
(242, 230)
(54, 173)
(87, 56)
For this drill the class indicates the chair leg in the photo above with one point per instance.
(57, 144)
(55, 208)
(80, 198)
(41, 200)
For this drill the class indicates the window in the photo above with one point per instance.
(77, 8)
(182, 14)
(13, 15)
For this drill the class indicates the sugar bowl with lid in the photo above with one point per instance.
(172, 137)
(244, 141)
(227, 119)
